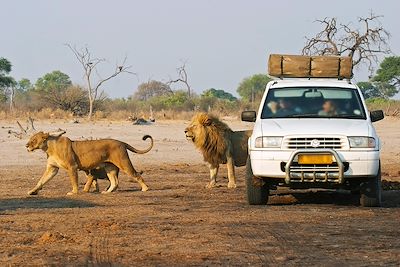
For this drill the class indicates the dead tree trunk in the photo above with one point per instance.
(12, 96)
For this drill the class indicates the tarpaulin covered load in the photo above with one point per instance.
(295, 66)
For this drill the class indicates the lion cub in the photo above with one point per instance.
(112, 155)
(100, 173)
(219, 145)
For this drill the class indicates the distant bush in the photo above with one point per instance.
(173, 103)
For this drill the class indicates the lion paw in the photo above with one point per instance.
(32, 192)
(105, 192)
(145, 188)
(231, 185)
(211, 185)
(72, 193)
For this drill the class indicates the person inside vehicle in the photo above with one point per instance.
(328, 109)
(273, 107)
(286, 108)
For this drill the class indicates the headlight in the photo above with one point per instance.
(362, 142)
(268, 141)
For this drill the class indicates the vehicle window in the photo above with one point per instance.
(315, 102)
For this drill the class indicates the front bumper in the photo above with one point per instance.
(348, 164)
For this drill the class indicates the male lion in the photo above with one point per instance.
(112, 155)
(219, 145)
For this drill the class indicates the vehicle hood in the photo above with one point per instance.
(306, 126)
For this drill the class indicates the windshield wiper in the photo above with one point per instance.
(348, 116)
(311, 115)
(341, 116)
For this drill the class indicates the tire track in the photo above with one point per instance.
(291, 243)
(252, 241)
(281, 234)
(99, 252)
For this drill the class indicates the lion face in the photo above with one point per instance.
(197, 127)
(37, 141)
(189, 132)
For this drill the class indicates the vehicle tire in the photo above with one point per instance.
(371, 191)
(256, 195)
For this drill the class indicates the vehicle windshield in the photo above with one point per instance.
(313, 102)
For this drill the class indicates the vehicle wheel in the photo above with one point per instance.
(256, 194)
(371, 191)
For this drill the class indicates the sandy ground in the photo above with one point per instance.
(178, 222)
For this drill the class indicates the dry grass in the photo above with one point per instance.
(390, 107)
(159, 115)
(46, 113)
(119, 115)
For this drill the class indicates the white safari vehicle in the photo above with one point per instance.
(313, 133)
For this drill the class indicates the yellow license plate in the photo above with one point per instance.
(315, 159)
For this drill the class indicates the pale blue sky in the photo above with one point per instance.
(222, 41)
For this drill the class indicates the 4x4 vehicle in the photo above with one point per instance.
(313, 133)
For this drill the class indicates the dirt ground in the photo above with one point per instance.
(180, 223)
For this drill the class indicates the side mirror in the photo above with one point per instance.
(376, 115)
(249, 115)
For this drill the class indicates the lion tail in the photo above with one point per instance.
(131, 148)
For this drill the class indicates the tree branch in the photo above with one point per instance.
(362, 46)
(182, 77)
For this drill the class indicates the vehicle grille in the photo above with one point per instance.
(313, 142)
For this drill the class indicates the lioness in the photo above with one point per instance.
(85, 155)
(219, 145)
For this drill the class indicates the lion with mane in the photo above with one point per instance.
(219, 145)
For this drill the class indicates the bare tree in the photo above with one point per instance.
(89, 65)
(361, 44)
(182, 78)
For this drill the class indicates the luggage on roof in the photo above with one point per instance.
(296, 66)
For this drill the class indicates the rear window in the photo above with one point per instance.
(314, 102)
